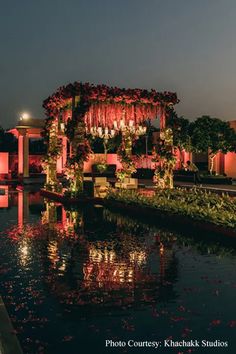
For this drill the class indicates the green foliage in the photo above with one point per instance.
(194, 203)
(204, 134)
(139, 146)
(80, 147)
(124, 153)
(97, 144)
(75, 127)
(102, 167)
(8, 142)
(212, 134)
(181, 134)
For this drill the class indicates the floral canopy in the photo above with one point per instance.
(79, 109)
(108, 104)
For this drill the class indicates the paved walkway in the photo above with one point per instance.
(217, 188)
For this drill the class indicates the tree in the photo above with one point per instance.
(8, 143)
(144, 143)
(97, 144)
(181, 135)
(211, 135)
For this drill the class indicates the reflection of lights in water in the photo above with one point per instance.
(161, 249)
(121, 274)
(103, 273)
(98, 255)
(72, 220)
(53, 253)
(62, 267)
(57, 256)
(138, 257)
(49, 215)
(24, 253)
(130, 275)
(44, 218)
(104, 267)
(67, 226)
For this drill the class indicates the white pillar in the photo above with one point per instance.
(23, 153)
(26, 156)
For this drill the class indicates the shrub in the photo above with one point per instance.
(196, 204)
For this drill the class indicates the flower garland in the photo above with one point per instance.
(80, 148)
(49, 162)
(102, 93)
(164, 159)
(124, 154)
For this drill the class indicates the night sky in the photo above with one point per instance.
(187, 46)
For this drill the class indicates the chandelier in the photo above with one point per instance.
(131, 128)
(105, 133)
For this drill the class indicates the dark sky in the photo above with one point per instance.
(187, 46)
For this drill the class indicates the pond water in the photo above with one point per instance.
(72, 279)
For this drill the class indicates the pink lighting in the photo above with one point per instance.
(4, 162)
(230, 164)
(20, 155)
(4, 198)
(20, 209)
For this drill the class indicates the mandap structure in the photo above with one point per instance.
(79, 109)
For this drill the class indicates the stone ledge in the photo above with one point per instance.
(9, 343)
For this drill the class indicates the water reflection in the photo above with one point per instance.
(93, 263)
(4, 197)
(126, 255)
(90, 263)
(23, 208)
(24, 252)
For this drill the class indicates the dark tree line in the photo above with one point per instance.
(205, 134)
(9, 143)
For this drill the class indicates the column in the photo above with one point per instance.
(20, 155)
(23, 207)
(26, 156)
(23, 153)
(64, 151)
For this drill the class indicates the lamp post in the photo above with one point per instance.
(23, 146)
(24, 116)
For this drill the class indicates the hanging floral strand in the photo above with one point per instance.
(101, 106)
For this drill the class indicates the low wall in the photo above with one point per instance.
(97, 158)
(4, 199)
(230, 164)
(4, 162)
(112, 159)
(34, 163)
